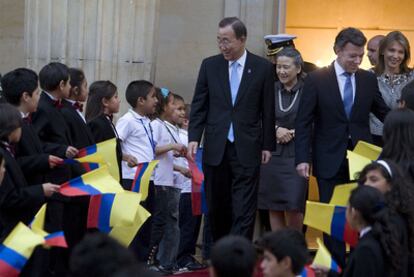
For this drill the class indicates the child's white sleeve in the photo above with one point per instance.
(122, 128)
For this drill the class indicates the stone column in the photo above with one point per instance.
(109, 39)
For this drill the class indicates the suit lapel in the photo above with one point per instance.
(358, 93)
(335, 92)
(245, 80)
(224, 79)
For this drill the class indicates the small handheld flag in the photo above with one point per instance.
(331, 220)
(142, 178)
(324, 258)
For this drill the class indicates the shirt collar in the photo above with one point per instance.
(339, 69)
(70, 101)
(24, 115)
(171, 125)
(137, 115)
(50, 96)
(364, 231)
(241, 60)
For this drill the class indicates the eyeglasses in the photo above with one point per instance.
(224, 42)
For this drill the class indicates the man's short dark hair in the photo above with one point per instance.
(349, 35)
(137, 89)
(18, 81)
(52, 74)
(407, 95)
(287, 243)
(233, 256)
(237, 25)
(99, 255)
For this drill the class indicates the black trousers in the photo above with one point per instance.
(326, 188)
(231, 191)
(189, 230)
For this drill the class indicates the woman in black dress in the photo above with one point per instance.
(282, 191)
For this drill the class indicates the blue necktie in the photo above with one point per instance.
(348, 94)
(234, 87)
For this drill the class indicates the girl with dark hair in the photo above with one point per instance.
(18, 200)
(393, 73)
(386, 176)
(378, 252)
(399, 140)
(102, 103)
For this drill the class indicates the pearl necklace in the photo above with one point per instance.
(291, 104)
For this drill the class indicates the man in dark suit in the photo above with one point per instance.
(333, 117)
(233, 105)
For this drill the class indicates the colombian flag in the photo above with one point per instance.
(37, 225)
(17, 249)
(364, 153)
(323, 257)
(198, 198)
(92, 183)
(142, 178)
(101, 153)
(331, 220)
(341, 194)
(307, 272)
(108, 210)
(125, 234)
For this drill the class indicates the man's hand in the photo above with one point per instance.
(131, 160)
(303, 170)
(49, 189)
(266, 156)
(71, 152)
(54, 161)
(192, 150)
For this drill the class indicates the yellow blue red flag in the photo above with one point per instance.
(331, 220)
(324, 258)
(142, 178)
(92, 183)
(17, 249)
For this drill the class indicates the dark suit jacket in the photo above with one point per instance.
(252, 115)
(321, 104)
(80, 134)
(18, 200)
(103, 129)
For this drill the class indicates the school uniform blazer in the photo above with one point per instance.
(367, 259)
(80, 134)
(18, 200)
(321, 104)
(49, 122)
(51, 127)
(252, 115)
(102, 129)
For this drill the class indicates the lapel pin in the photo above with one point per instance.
(249, 71)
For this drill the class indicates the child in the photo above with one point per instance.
(72, 108)
(18, 200)
(165, 216)
(407, 96)
(232, 256)
(138, 146)
(386, 176)
(48, 122)
(188, 223)
(285, 253)
(378, 252)
(21, 89)
(134, 129)
(102, 103)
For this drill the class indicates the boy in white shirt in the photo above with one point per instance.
(135, 133)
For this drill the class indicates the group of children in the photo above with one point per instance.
(42, 127)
